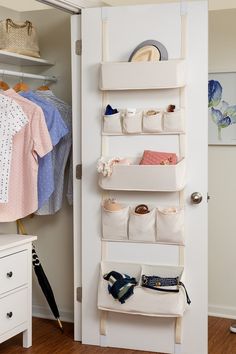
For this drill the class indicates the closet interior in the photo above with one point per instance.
(55, 232)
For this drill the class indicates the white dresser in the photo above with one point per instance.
(16, 287)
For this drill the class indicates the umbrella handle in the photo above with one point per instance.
(20, 227)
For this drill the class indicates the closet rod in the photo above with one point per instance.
(27, 75)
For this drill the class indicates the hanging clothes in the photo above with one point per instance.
(33, 140)
(12, 120)
(60, 155)
(57, 130)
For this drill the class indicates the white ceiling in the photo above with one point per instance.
(31, 5)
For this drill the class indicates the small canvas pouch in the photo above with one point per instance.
(174, 121)
(152, 121)
(170, 225)
(132, 123)
(112, 123)
(142, 226)
(115, 223)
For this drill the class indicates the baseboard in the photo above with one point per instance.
(222, 311)
(45, 312)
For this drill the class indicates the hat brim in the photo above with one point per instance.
(161, 48)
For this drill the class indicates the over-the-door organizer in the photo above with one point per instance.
(161, 224)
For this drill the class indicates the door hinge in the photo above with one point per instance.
(78, 47)
(79, 171)
(79, 294)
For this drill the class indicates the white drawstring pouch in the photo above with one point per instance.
(174, 121)
(132, 123)
(170, 225)
(115, 223)
(142, 226)
(112, 123)
(152, 123)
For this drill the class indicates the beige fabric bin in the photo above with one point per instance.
(144, 301)
(165, 178)
(143, 75)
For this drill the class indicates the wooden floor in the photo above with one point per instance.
(47, 339)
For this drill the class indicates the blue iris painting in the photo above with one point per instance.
(222, 114)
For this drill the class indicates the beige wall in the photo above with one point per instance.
(55, 233)
(222, 181)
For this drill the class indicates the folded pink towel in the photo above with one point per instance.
(158, 158)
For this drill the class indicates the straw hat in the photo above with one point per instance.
(149, 50)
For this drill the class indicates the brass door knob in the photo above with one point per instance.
(196, 198)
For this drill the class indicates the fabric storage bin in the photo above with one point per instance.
(135, 177)
(115, 223)
(152, 123)
(112, 123)
(170, 225)
(174, 121)
(143, 75)
(132, 124)
(142, 226)
(144, 301)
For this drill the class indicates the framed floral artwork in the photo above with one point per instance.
(222, 108)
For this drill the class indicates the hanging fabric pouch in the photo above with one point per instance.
(115, 223)
(174, 121)
(112, 123)
(152, 121)
(142, 226)
(132, 123)
(170, 225)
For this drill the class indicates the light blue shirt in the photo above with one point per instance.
(61, 156)
(57, 129)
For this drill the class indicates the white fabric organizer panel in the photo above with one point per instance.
(144, 301)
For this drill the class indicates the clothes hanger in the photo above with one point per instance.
(21, 86)
(3, 85)
(44, 87)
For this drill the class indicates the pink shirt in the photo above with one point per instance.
(32, 139)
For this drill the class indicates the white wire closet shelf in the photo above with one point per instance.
(24, 75)
(22, 60)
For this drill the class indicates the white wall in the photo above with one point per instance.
(55, 233)
(222, 182)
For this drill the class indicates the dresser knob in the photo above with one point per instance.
(9, 274)
(9, 315)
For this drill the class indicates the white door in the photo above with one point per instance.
(76, 126)
(111, 34)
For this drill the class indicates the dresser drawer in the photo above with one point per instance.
(13, 271)
(13, 310)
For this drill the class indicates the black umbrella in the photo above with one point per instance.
(42, 278)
